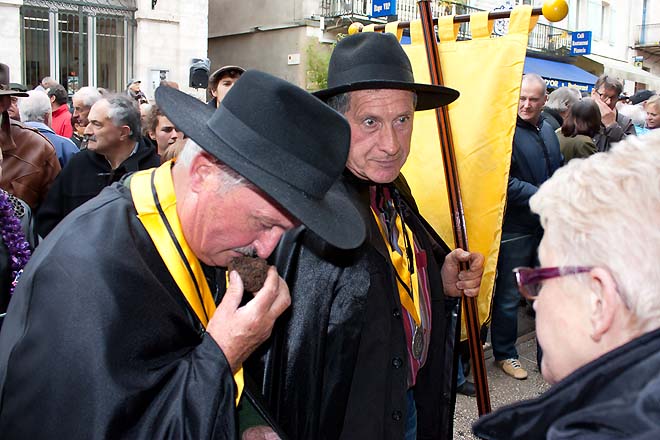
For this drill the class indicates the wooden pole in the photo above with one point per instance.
(456, 207)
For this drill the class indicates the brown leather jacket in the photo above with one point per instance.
(30, 163)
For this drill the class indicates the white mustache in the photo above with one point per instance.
(248, 251)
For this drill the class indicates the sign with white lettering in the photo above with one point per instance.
(580, 43)
(383, 8)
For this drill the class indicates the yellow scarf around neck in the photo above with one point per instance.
(155, 202)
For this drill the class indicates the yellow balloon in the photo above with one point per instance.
(354, 28)
(555, 10)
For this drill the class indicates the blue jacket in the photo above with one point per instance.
(535, 157)
(64, 148)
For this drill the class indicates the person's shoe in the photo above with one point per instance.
(467, 389)
(513, 368)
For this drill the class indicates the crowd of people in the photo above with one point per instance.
(120, 220)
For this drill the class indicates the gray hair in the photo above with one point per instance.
(563, 99)
(122, 111)
(342, 102)
(537, 79)
(35, 107)
(229, 179)
(603, 211)
(609, 82)
(88, 95)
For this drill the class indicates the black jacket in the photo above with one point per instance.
(534, 158)
(552, 117)
(83, 177)
(339, 366)
(100, 343)
(614, 133)
(613, 397)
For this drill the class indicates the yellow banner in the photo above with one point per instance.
(487, 72)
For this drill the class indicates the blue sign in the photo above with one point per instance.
(580, 43)
(383, 8)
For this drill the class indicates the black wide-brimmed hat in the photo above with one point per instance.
(282, 139)
(372, 60)
(5, 88)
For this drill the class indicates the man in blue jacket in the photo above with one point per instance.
(35, 112)
(535, 157)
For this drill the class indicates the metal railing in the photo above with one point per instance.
(648, 35)
(544, 38)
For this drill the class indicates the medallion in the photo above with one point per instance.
(418, 343)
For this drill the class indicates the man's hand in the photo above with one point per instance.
(465, 282)
(607, 115)
(260, 433)
(240, 330)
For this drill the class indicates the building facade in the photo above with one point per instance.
(276, 36)
(103, 43)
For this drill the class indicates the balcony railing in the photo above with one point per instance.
(648, 35)
(544, 38)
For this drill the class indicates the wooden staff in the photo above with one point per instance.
(456, 206)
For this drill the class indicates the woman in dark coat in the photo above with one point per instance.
(577, 132)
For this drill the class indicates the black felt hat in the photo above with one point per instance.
(282, 139)
(373, 60)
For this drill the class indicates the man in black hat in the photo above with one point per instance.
(221, 81)
(118, 328)
(368, 350)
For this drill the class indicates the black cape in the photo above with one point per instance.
(99, 343)
(336, 364)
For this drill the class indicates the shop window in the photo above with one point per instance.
(36, 45)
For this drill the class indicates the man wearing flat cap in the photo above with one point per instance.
(221, 81)
(30, 162)
(118, 328)
(133, 90)
(368, 350)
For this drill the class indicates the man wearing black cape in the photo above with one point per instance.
(366, 350)
(116, 329)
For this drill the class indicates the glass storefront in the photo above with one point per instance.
(78, 43)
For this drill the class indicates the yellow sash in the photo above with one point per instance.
(400, 263)
(155, 202)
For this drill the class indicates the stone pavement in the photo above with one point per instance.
(503, 388)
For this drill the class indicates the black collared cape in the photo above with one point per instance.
(336, 364)
(99, 342)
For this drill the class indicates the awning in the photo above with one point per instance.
(559, 74)
(623, 70)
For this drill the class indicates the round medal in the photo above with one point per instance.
(418, 343)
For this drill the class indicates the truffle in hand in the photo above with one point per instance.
(253, 272)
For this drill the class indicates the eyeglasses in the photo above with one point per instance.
(604, 97)
(530, 280)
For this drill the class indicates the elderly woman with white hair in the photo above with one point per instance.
(597, 301)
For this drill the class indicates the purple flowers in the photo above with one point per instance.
(14, 238)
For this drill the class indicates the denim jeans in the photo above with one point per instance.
(460, 377)
(411, 421)
(515, 250)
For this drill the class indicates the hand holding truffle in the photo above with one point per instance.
(240, 330)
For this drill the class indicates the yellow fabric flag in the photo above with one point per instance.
(487, 72)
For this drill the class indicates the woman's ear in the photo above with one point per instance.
(605, 302)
